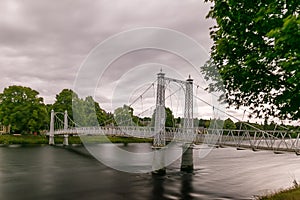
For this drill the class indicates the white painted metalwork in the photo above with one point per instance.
(188, 122)
(66, 140)
(255, 139)
(160, 115)
(51, 134)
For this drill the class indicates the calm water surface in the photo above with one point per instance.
(47, 172)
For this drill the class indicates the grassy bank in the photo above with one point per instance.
(32, 139)
(289, 194)
(40, 139)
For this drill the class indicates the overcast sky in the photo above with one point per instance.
(44, 43)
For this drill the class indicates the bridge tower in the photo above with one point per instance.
(51, 134)
(188, 123)
(159, 127)
(66, 139)
(188, 128)
(160, 118)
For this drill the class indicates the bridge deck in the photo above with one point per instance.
(253, 139)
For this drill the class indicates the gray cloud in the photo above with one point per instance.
(48, 40)
(43, 43)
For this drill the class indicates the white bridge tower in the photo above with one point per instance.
(160, 118)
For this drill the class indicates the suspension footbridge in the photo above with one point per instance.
(188, 134)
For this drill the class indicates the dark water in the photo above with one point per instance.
(47, 172)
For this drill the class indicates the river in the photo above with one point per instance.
(47, 172)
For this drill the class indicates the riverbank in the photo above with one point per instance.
(288, 194)
(42, 139)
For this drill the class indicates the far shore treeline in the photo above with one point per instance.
(24, 111)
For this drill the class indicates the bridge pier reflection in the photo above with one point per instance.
(158, 164)
(180, 186)
(186, 186)
(51, 133)
(158, 190)
(187, 163)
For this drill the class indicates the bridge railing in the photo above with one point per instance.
(254, 139)
(258, 139)
(178, 134)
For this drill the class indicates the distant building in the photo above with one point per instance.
(4, 129)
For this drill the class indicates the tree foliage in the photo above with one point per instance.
(87, 112)
(23, 109)
(229, 124)
(123, 116)
(169, 121)
(256, 51)
(63, 102)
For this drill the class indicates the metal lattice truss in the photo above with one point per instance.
(170, 134)
(160, 115)
(160, 118)
(252, 139)
(265, 140)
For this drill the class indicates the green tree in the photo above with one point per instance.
(170, 120)
(23, 109)
(241, 126)
(124, 116)
(229, 124)
(204, 123)
(256, 51)
(271, 126)
(102, 116)
(64, 101)
(87, 112)
(216, 123)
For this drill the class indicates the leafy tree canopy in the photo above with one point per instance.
(124, 116)
(229, 124)
(23, 109)
(169, 121)
(256, 51)
(88, 112)
(63, 101)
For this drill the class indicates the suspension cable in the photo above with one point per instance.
(231, 115)
(152, 84)
(244, 110)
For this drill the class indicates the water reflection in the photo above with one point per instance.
(158, 190)
(56, 173)
(186, 186)
(178, 187)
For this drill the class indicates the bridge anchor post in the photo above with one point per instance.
(51, 140)
(66, 140)
(51, 134)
